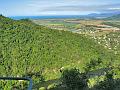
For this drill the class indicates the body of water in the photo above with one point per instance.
(47, 17)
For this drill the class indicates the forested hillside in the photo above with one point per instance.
(27, 49)
(114, 17)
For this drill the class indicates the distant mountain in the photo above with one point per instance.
(114, 17)
(103, 15)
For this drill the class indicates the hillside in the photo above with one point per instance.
(114, 17)
(27, 49)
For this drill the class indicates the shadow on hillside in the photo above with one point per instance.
(114, 85)
(108, 85)
(90, 74)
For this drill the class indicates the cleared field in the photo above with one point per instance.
(104, 32)
(89, 27)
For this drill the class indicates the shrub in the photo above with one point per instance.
(73, 79)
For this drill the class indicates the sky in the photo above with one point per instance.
(57, 7)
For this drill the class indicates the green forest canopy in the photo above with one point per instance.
(27, 48)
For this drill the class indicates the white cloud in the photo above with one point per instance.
(57, 7)
(114, 8)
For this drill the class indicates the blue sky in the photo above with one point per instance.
(57, 7)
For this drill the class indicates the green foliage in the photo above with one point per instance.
(27, 49)
(92, 64)
(73, 79)
(108, 84)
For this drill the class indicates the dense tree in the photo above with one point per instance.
(108, 84)
(92, 64)
(27, 48)
(74, 80)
